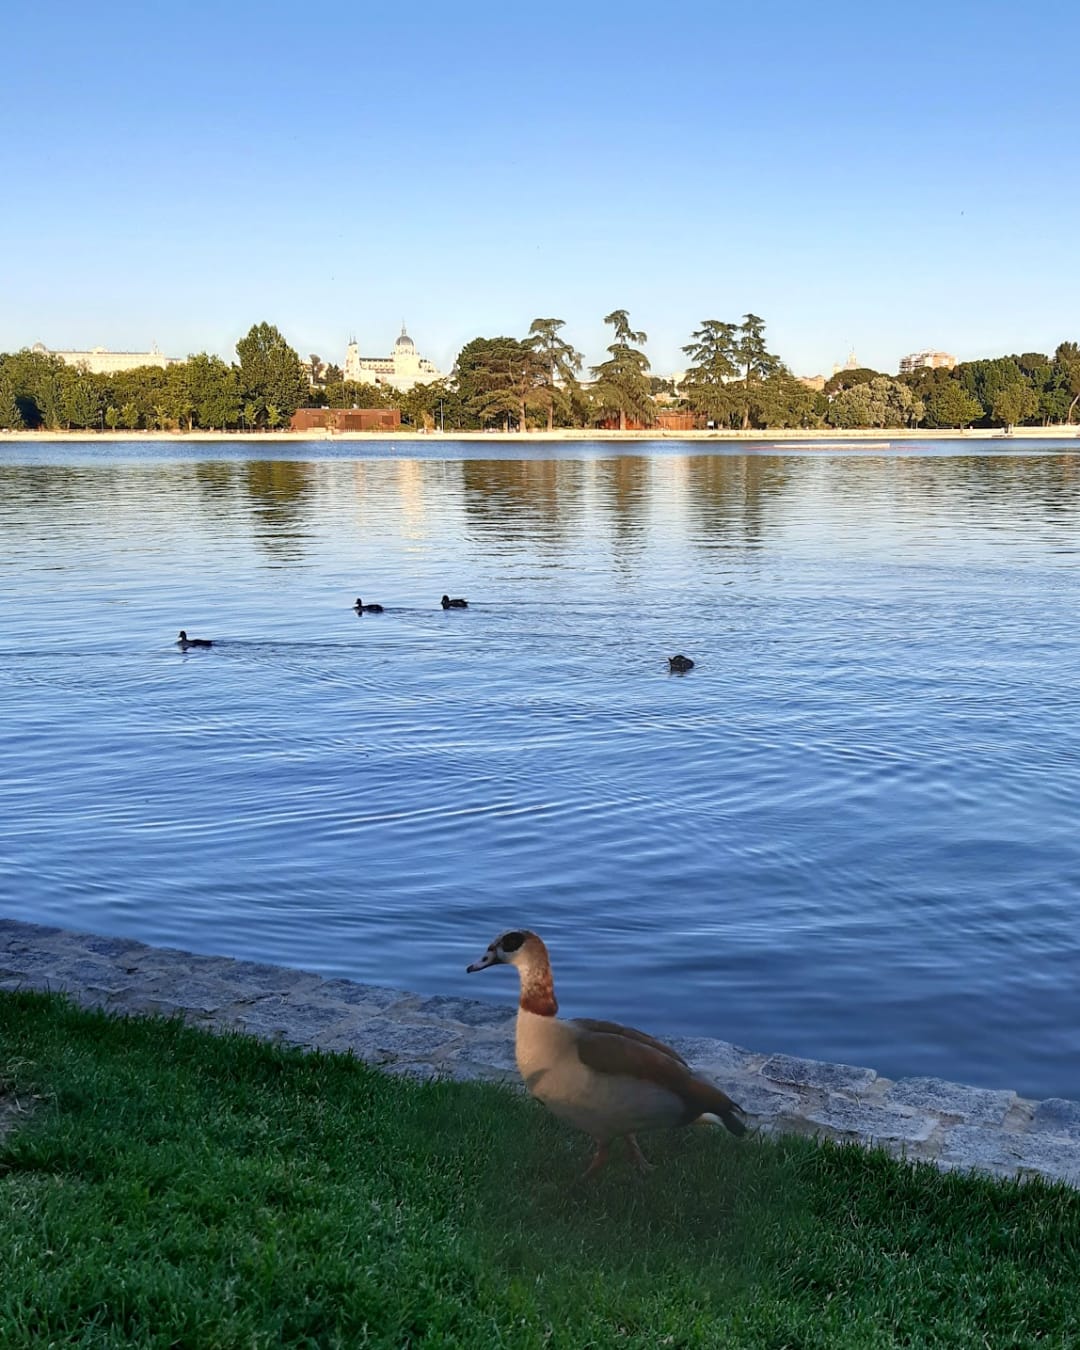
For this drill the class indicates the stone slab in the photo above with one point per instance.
(712, 1056)
(15, 933)
(873, 1124)
(1056, 1115)
(816, 1073)
(1010, 1153)
(373, 996)
(976, 1106)
(495, 1051)
(382, 1040)
(469, 1012)
(295, 1023)
(759, 1101)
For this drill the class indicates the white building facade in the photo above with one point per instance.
(403, 368)
(99, 361)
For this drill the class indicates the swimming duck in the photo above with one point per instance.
(606, 1079)
(361, 608)
(185, 642)
(680, 664)
(447, 603)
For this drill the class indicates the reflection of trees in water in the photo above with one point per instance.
(730, 495)
(217, 479)
(1050, 481)
(623, 486)
(275, 494)
(137, 488)
(528, 502)
(279, 491)
(30, 485)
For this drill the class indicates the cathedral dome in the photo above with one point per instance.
(405, 341)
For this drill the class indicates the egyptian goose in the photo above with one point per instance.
(361, 608)
(608, 1080)
(680, 664)
(185, 642)
(447, 603)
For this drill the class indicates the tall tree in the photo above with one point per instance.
(848, 379)
(881, 402)
(560, 362)
(1014, 403)
(213, 389)
(754, 359)
(270, 371)
(948, 404)
(784, 401)
(707, 383)
(436, 405)
(1004, 392)
(622, 383)
(500, 377)
(1067, 363)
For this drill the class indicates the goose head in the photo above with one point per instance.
(516, 947)
(521, 948)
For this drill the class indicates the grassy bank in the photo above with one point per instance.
(160, 1187)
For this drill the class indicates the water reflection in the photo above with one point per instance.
(700, 500)
(860, 796)
(530, 501)
(282, 493)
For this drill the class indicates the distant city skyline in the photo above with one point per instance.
(859, 178)
(357, 366)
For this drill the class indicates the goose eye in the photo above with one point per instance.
(512, 941)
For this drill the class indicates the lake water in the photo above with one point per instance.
(851, 832)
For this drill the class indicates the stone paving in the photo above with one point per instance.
(953, 1126)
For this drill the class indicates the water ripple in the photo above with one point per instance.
(849, 832)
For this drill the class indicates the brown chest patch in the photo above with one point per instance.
(538, 995)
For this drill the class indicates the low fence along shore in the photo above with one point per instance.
(947, 1124)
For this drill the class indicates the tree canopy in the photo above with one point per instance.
(271, 376)
(560, 363)
(733, 380)
(622, 383)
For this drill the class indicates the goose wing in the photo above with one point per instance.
(606, 1047)
(631, 1034)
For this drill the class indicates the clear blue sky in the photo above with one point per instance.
(860, 175)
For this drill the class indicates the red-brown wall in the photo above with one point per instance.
(346, 419)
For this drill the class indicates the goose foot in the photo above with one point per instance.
(643, 1165)
(599, 1158)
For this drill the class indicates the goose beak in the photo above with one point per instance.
(488, 959)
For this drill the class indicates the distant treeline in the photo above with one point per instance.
(732, 380)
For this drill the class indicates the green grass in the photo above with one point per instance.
(168, 1188)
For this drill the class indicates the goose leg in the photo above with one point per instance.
(599, 1158)
(643, 1165)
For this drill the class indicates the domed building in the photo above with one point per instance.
(403, 368)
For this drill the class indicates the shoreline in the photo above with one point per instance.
(820, 435)
(953, 1126)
